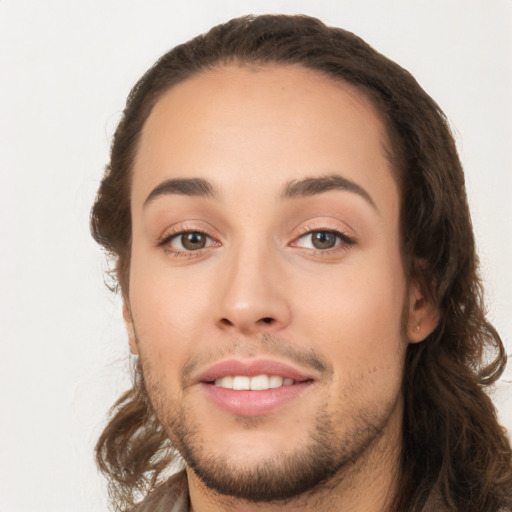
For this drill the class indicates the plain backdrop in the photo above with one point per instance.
(66, 67)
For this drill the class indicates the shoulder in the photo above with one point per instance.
(171, 496)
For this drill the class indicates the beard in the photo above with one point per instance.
(321, 463)
(330, 455)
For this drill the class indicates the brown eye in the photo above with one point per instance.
(188, 241)
(324, 239)
(193, 241)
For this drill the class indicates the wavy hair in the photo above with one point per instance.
(451, 437)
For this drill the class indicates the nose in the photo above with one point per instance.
(252, 296)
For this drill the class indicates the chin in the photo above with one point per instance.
(265, 468)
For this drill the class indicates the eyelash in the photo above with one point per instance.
(166, 240)
(345, 241)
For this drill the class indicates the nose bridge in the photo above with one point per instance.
(252, 298)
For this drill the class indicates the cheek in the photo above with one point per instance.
(355, 318)
(168, 309)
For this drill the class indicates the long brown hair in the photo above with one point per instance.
(452, 438)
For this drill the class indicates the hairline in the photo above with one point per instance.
(389, 138)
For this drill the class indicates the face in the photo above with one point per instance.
(267, 289)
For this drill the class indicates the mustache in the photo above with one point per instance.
(265, 344)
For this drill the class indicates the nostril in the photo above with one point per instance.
(226, 322)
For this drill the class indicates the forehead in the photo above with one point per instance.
(273, 124)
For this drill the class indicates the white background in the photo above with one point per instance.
(66, 68)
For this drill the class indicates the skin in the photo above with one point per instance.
(259, 288)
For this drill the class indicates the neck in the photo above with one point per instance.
(368, 485)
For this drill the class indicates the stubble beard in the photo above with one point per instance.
(308, 469)
(327, 460)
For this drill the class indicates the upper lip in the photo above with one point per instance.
(251, 368)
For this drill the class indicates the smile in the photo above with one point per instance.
(253, 387)
(256, 383)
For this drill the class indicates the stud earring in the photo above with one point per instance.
(418, 328)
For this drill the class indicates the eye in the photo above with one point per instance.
(323, 240)
(189, 241)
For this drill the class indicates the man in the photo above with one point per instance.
(287, 213)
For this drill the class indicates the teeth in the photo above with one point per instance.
(225, 382)
(260, 382)
(241, 382)
(275, 381)
(257, 383)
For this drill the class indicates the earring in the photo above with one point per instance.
(418, 328)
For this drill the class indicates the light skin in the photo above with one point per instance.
(279, 178)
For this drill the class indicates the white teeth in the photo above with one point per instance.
(240, 382)
(275, 381)
(225, 382)
(257, 383)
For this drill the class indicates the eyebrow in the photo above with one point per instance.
(318, 185)
(198, 187)
(307, 187)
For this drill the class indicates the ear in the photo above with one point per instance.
(130, 329)
(423, 315)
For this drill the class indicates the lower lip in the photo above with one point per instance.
(253, 403)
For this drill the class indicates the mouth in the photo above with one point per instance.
(257, 383)
(253, 388)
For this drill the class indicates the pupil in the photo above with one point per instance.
(193, 241)
(324, 240)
